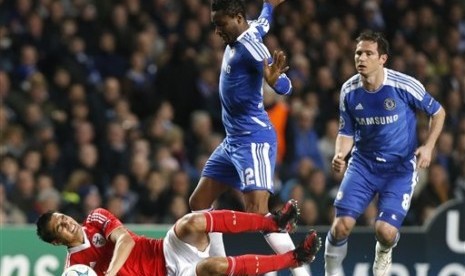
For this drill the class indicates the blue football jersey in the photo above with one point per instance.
(241, 80)
(383, 122)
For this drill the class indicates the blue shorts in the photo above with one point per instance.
(245, 166)
(363, 180)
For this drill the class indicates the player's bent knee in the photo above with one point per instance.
(385, 233)
(256, 210)
(212, 266)
(342, 228)
(257, 207)
(194, 203)
(257, 202)
(191, 223)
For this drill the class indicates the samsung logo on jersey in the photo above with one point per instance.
(367, 121)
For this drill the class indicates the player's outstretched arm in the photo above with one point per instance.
(124, 244)
(274, 74)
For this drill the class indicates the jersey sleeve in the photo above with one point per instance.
(262, 24)
(419, 98)
(104, 220)
(346, 124)
(429, 105)
(254, 52)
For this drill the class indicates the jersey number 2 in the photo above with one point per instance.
(249, 177)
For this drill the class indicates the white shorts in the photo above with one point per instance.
(181, 258)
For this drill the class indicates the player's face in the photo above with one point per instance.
(367, 59)
(226, 26)
(65, 228)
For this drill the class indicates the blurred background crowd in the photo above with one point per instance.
(115, 103)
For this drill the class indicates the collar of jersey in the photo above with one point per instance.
(80, 247)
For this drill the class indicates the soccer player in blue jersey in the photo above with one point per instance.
(378, 128)
(245, 160)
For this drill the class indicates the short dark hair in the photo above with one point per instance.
(43, 230)
(383, 44)
(229, 7)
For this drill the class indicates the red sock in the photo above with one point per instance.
(259, 264)
(226, 221)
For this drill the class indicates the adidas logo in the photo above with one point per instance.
(359, 107)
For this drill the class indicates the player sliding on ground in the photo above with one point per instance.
(103, 243)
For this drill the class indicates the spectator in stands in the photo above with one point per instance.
(459, 185)
(9, 169)
(120, 187)
(115, 150)
(455, 106)
(28, 65)
(14, 141)
(47, 199)
(153, 198)
(278, 111)
(88, 160)
(444, 153)
(316, 188)
(309, 214)
(305, 139)
(138, 84)
(31, 161)
(326, 143)
(23, 194)
(53, 163)
(200, 130)
(177, 207)
(438, 190)
(459, 152)
(9, 212)
(108, 62)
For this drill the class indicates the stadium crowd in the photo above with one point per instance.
(115, 103)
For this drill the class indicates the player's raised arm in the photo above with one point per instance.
(262, 24)
(274, 3)
(274, 74)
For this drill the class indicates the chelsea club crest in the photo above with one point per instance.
(389, 104)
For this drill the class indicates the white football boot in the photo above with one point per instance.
(383, 261)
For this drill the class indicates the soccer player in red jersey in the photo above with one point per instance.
(106, 245)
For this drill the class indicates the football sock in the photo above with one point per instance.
(281, 243)
(300, 271)
(226, 221)
(216, 240)
(259, 264)
(335, 252)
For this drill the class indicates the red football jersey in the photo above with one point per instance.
(146, 257)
